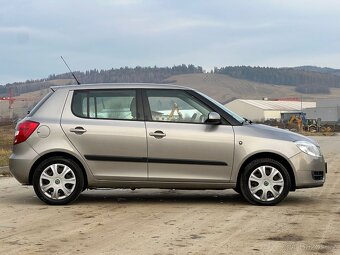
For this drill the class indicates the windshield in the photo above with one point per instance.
(231, 113)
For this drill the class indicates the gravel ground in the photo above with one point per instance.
(174, 222)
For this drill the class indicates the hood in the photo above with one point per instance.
(265, 131)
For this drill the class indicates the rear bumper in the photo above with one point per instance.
(309, 171)
(21, 160)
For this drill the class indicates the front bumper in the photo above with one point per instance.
(309, 171)
(21, 160)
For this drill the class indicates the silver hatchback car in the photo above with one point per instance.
(155, 136)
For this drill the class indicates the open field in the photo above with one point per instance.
(174, 222)
(22, 104)
(225, 88)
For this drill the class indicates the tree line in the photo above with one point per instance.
(305, 81)
(115, 75)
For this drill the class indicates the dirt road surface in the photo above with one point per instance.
(174, 222)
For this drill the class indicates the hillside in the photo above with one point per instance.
(318, 69)
(16, 89)
(225, 88)
(114, 75)
(22, 104)
(305, 79)
(218, 86)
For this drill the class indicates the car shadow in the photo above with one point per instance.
(126, 196)
(153, 196)
(160, 196)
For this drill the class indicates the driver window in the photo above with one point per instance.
(176, 106)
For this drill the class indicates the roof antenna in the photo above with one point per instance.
(70, 70)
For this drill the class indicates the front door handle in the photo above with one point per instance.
(78, 130)
(157, 134)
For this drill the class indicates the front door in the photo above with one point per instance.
(181, 146)
(107, 130)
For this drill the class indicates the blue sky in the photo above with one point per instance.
(114, 33)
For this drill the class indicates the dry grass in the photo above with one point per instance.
(225, 88)
(4, 155)
(317, 133)
(6, 141)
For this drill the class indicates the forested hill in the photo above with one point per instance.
(318, 69)
(131, 75)
(124, 75)
(306, 79)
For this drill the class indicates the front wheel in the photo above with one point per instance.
(58, 181)
(265, 182)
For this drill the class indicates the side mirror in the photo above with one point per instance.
(213, 118)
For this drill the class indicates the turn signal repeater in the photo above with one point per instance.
(24, 130)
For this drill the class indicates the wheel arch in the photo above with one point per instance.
(271, 155)
(54, 154)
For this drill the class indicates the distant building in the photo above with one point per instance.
(261, 110)
(326, 109)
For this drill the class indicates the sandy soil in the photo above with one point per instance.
(174, 222)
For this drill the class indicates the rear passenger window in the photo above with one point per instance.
(105, 104)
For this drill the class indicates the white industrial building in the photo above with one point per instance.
(326, 109)
(261, 110)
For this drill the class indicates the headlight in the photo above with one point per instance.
(308, 148)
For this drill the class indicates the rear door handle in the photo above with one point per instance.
(157, 134)
(78, 130)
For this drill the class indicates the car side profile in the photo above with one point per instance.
(155, 136)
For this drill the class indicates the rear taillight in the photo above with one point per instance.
(24, 130)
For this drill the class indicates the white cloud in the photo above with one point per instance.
(29, 32)
(113, 33)
(120, 2)
(181, 24)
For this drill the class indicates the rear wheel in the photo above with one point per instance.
(58, 181)
(265, 182)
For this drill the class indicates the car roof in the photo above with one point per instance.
(120, 86)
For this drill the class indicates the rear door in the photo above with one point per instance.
(181, 147)
(107, 129)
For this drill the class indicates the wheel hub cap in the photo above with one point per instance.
(57, 181)
(266, 183)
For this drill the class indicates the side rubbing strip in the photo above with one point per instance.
(187, 161)
(156, 160)
(113, 158)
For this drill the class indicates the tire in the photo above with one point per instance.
(58, 181)
(312, 129)
(265, 182)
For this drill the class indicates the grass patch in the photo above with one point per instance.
(4, 155)
(6, 143)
